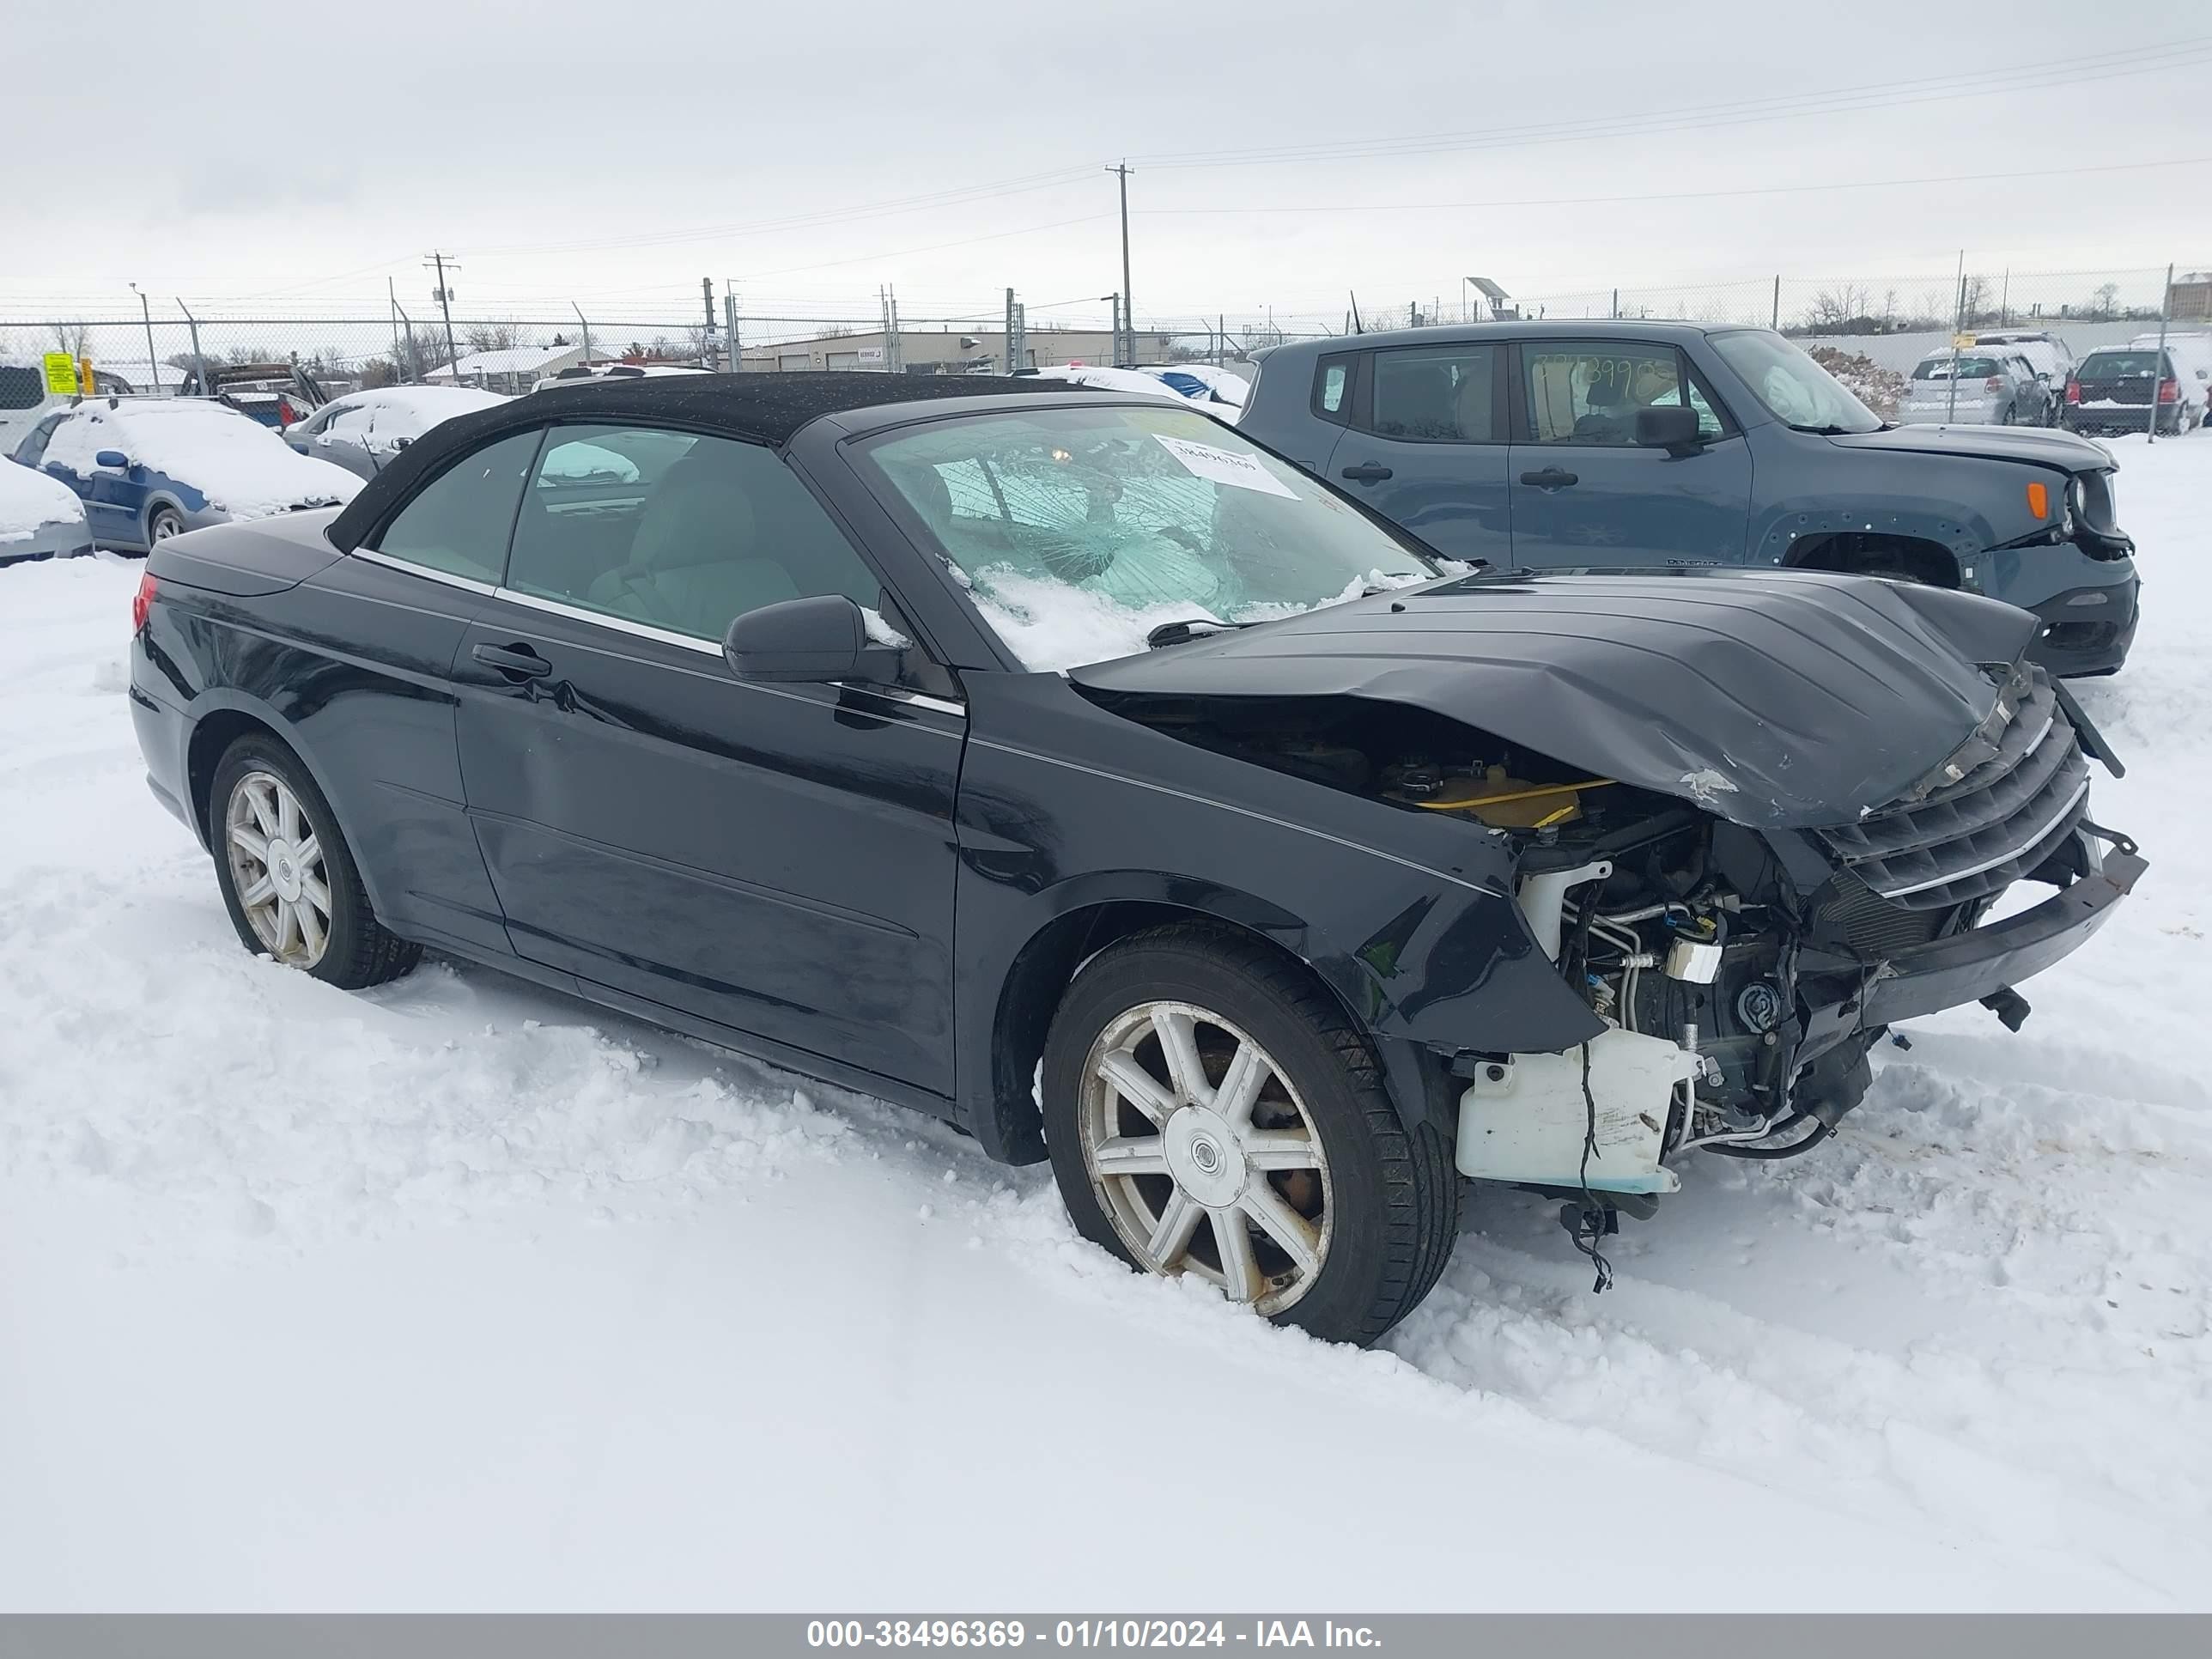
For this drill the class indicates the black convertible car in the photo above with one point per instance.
(1074, 768)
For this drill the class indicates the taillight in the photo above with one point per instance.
(1995, 383)
(142, 602)
(2073, 392)
(2168, 391)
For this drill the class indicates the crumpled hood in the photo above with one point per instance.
(2068, 452)
(1780, 700)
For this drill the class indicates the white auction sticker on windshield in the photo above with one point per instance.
(1224, 467)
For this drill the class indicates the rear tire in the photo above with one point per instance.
(288, 878)
(1303, 1195)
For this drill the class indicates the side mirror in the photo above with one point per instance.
(1670, 427)
(813, 640)
(111, 457)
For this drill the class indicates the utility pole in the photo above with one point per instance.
(444, 296)
(199, 363)
(153, 368)
(1128, 309)
(2158, 367)
(392, 304)
(1957, 327)
(712, 357)
(1007, 367)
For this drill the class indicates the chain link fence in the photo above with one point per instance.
(1883, 326)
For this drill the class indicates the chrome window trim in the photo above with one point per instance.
(605, 619)
(1240, 812)
(466, 584)
(664, 635)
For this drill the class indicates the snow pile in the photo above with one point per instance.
(30, 500)
(239, 464)
(1877, 388)
(463, 1294)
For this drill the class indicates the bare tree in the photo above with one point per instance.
(70, 337)
(493, 337)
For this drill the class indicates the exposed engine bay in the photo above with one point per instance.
(1732, 966)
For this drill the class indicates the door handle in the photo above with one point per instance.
(518, 662)
(1550, 477)
(1367, 472)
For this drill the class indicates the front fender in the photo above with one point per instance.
(1411, 923)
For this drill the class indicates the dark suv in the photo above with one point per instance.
(1643, 445)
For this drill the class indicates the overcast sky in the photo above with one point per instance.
(616, 154)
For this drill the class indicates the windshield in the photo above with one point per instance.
(2118, 366)
(1969, 368)
(1795, 390)
(1079, 531)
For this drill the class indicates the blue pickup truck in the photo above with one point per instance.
(1605, 445)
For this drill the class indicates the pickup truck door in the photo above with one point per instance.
(1585, 495)
(1426, 446)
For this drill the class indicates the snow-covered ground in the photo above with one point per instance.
(459, 1294)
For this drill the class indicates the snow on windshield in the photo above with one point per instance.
(1079, 531)
(241, 466)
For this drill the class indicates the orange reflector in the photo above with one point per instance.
(2039, 499)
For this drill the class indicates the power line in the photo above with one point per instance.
(2137, 60)
(1683, 195)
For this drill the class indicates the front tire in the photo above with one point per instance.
(164, 523)
(288, 879)
(1209, 1110)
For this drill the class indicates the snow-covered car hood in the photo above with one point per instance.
(1778, 700)
(2035, 446)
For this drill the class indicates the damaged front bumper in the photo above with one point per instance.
(1848, 996)
(1595, 1119)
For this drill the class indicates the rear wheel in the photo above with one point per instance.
(1210, 1111)
(288, 878)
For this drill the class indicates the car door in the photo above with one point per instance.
(379, 710)
(1426, 446)
(778, 860)
(1586, 494)
(112, 501)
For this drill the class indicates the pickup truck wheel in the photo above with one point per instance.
(166, 522)
(1211, 1111)
(288, 878)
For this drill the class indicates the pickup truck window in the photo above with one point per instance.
(1436, 394)
(1588, 391)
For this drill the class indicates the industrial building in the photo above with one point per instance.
(947, 350)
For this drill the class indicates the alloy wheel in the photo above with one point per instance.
(277, 866)
(167, 525)
(1204, 1157)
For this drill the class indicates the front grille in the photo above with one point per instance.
(1997, 809)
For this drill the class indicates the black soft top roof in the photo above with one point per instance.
(767, 407)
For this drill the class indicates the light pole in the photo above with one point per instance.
(153, 368)
(1116, 301)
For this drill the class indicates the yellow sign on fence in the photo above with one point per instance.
(61, 374)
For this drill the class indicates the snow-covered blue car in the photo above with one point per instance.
(150, 469)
